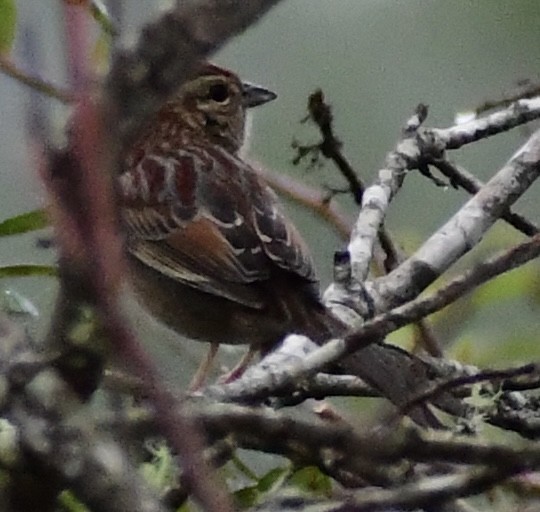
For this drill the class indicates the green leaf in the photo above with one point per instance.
(27, 270)
(161, 471)
(312, 480)
(251, 495)
(69, 502)
(16, 304)
(246, 497)
(8, 22)
(273, 479)
(29, 221)
(101, 15)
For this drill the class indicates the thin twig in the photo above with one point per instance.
(101, 15)
(518, 113)
(429, 492)
(464, 179)
(525, 89)
(36, 83)
(309, 197)
(320, 112)
(330, 146)
(467, 380)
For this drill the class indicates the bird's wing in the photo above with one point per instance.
(203, 217)
(279, 238)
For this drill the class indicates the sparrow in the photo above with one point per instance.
(211, 252)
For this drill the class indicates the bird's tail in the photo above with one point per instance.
(395, 373)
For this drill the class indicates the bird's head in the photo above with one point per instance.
(213, 104)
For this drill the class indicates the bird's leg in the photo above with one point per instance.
(240, 367)
(204, 369)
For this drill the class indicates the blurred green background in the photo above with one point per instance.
(375, 60)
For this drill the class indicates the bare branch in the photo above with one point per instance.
(460, 177)
(385, 323)
(524, 89)
(34, 82)
(376, 199)
(520, 112)
(412, 152)
(330, 146)
(463, 231)
(61, 450)
(429, 491)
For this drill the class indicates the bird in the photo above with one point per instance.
(211, 251)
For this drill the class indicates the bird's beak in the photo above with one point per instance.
(255, 95)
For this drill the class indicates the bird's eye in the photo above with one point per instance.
(218, 92)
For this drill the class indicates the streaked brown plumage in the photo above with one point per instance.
(211, 252)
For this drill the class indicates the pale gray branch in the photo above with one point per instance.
(463, 231)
